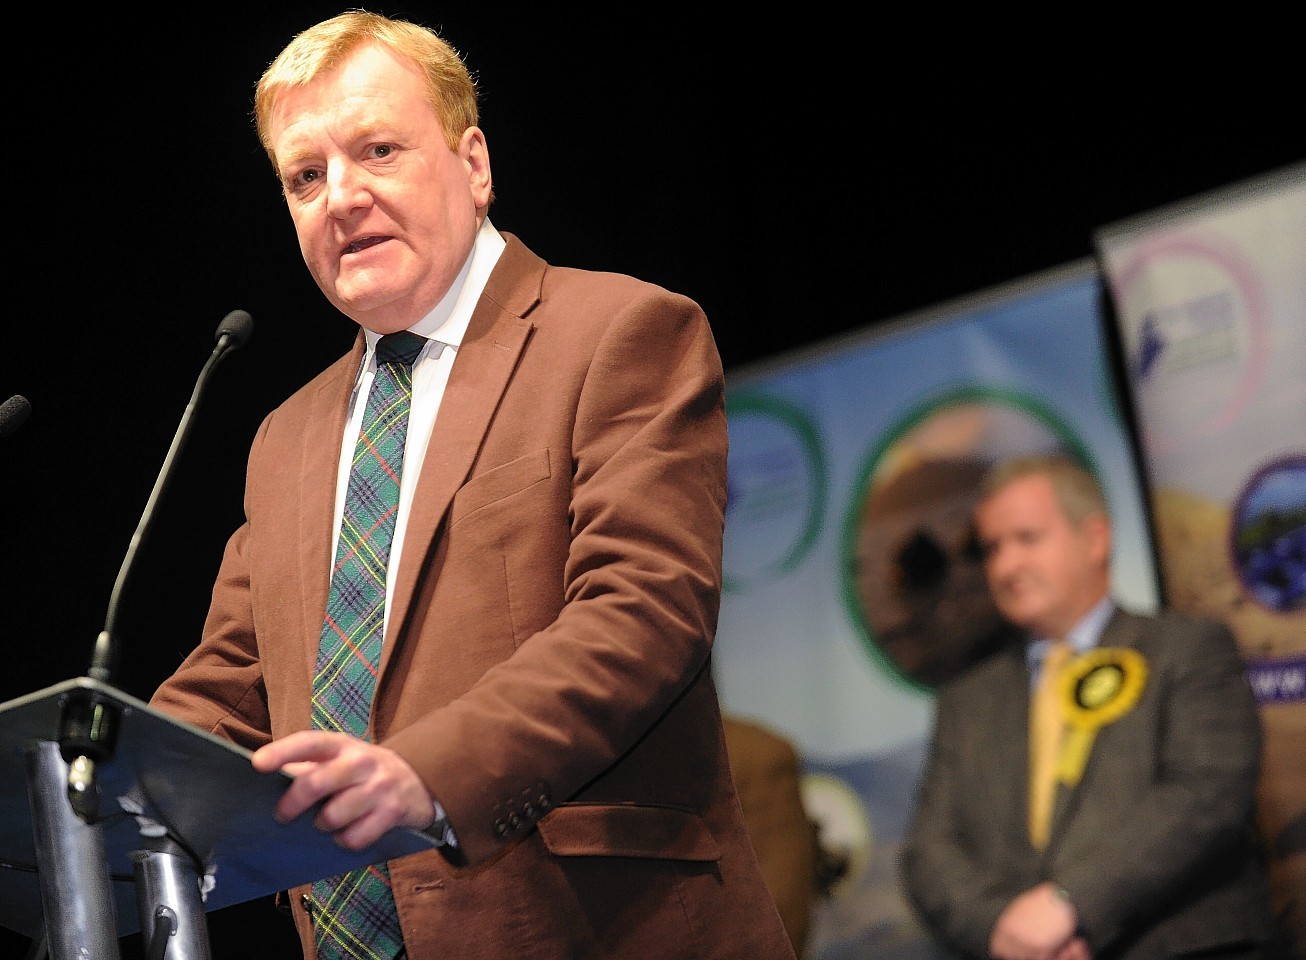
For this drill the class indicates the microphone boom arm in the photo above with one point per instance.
(88, 729)
(104, 656)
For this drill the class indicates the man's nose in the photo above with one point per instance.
(347, 189)
(998, 560)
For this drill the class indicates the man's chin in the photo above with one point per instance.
(379, 311)
(1021, 616)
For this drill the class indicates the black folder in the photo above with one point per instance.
(163, 772)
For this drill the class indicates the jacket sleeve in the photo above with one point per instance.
(957, 894)
(638, 526)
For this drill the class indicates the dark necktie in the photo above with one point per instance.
(354, 914)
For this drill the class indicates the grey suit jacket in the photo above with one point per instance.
(1156, 845)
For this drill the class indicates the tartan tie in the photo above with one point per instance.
(1046, 729)
(354, 914)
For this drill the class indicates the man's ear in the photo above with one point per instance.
(1096, 530)
(476, 155)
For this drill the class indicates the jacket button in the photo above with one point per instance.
(500, 828)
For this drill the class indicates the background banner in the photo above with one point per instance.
(852, 584)
(1210, 298)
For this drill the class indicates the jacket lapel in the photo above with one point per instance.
(1011, 751)
(496, 337)
(1120, 631)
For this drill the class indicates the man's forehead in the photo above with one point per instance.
(370, 80)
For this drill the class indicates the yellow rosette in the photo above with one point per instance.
(1097, 688)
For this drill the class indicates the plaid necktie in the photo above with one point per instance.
(354, 914)
(1046, 730)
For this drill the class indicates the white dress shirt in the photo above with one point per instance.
(444, 327)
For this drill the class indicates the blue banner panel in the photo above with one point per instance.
(852, 585)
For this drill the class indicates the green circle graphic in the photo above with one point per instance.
(799, 427)
(947, 618)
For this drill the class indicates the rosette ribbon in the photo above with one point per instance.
(1097, 687)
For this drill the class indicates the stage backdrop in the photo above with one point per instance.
(852, 586)
(1211, 303)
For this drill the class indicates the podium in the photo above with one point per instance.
(186, 826)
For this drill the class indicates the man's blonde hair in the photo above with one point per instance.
(451, 91)
(1077, 490)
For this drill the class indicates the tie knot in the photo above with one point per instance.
(1057, 654)
(402, 347)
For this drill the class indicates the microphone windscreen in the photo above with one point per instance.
(13, 412)
(237, 327)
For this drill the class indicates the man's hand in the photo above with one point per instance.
(368, 789)
(1039, 924)
(1076, 949)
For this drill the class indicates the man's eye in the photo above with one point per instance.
(382, 150)
(302, 179)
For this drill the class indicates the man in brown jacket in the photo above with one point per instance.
(543, 704)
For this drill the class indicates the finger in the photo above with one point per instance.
(363, 831)
(298, 767)
(376, 802)
(300, 796)
(338, 782)
(303, 745)
(351, 815)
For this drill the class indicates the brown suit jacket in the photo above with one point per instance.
(546, 667)
(1156, 845)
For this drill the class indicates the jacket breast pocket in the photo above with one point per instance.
(627, 830)
(499, 483)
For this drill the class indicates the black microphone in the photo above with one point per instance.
(237, 327)
(13, 413)
(90, 727)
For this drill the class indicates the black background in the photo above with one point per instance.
(801, 175)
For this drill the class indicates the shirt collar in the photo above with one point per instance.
(447, 322)
(1083, 636)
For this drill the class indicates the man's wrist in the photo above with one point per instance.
(1062, 895)
(440, 828)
